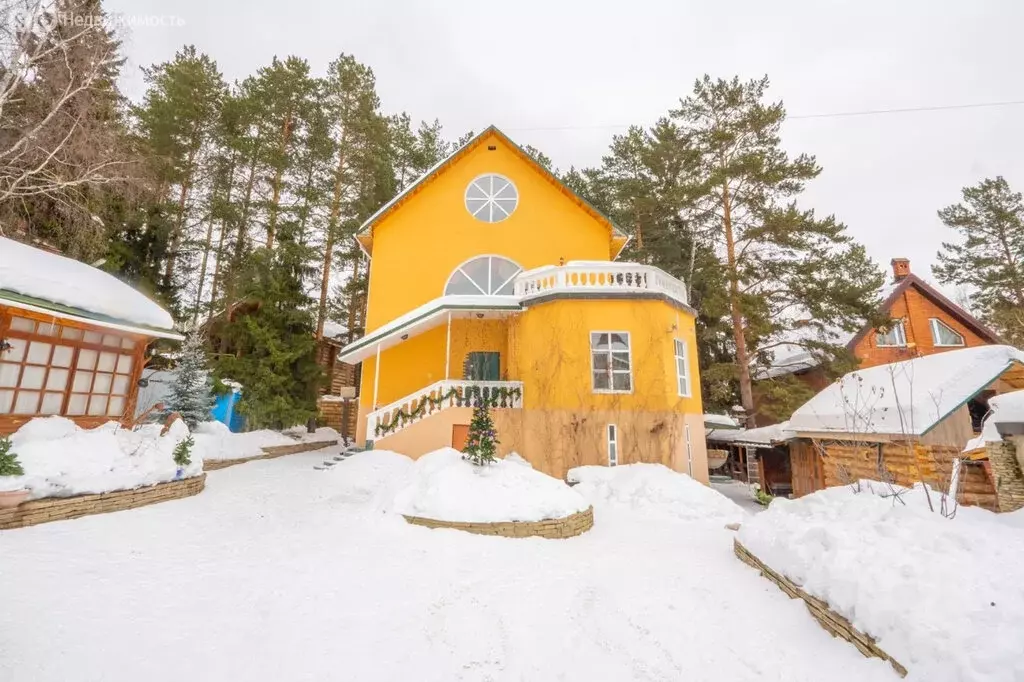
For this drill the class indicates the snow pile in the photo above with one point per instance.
(944, 597)
(33, 272)
(371, 476)
(215, 441)
(442, 485)
(60, 459)
(299, 433)
(906, 397)
(654, 489)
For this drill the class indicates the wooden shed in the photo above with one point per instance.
(73, 339)
(906, 421)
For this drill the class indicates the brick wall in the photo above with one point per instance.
(916, 310)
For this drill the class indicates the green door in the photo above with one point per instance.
(483, 366)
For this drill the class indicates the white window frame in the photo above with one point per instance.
(490, 202)
(902, 336)
(612, 434)
(490, 273)
(682, 378)
(611, 369)
(934, 323)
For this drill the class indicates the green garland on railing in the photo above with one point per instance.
(468, 394)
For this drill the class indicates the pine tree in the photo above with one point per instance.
(482, 442)
(990, 254)
(9, 464)
(191, 394)
(795, 281)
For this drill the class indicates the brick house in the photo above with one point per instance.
(926, 322)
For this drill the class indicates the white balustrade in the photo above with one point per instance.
(598, 277)
(439, 396)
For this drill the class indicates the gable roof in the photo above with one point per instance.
(40, 281)
(364, 235)
(910, 397)
(800, 359)
(892, 293)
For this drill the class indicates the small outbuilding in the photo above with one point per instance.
(905, 421)
(73, 339)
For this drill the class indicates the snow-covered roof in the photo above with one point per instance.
(427, 316)
(723, 421)
(34, 279)
(333, 330)
(904, 398)
(761, 437)
(617, 233)
(1004, 409)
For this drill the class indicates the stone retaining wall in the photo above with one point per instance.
(1006, 475)
(826, 617)
(61, 508)
(568, 527)
(269, 452)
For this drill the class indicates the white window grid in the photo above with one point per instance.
(610, 372)
(895, 338)
(613, 445)
(682, 357)
(491, 198)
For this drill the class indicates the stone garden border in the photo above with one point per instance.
(269, 452)
(568, 527)
(48, 509)
(826, 617)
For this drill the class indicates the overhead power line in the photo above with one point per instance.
(835, 114)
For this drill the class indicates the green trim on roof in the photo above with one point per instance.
(370, 339)
(8, 295)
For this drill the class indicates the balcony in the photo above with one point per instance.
(439, 396)
(598, 277)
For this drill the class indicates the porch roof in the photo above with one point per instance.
(426, 317)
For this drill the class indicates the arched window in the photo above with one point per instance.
(484, 275)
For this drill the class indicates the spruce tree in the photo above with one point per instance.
(482, 441)
(989, 256)
(191, 394)
(9, 464)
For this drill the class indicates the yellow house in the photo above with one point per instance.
(490, 279)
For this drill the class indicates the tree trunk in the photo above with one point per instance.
(202, 267)
(236, 262)
(353, 301)
(186, 184)
(332, 228)
(742, 359)
(286, 132)
(223, 232)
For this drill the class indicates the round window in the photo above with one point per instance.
(491, 198)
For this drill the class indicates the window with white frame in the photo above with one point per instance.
(682, 368)
(610, 362)
(895, 337)
(944, 335)
(484, 275)
(491, 198)
(613, 445)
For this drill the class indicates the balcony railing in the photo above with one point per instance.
(599, 277)
(439, 396)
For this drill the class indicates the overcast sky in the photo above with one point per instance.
(565, 76)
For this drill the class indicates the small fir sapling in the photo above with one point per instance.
(482, 441)
(183, 452)
(9, 464)
(191, 394)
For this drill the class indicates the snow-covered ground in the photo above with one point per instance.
(280, 572)
(213, 440)
(60, 459)
(944, 597)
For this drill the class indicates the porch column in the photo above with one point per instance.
(376, 377)
(448, 348)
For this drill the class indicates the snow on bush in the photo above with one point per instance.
(61, 459)
(442, 485)
(654, 489)
(944, 597)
